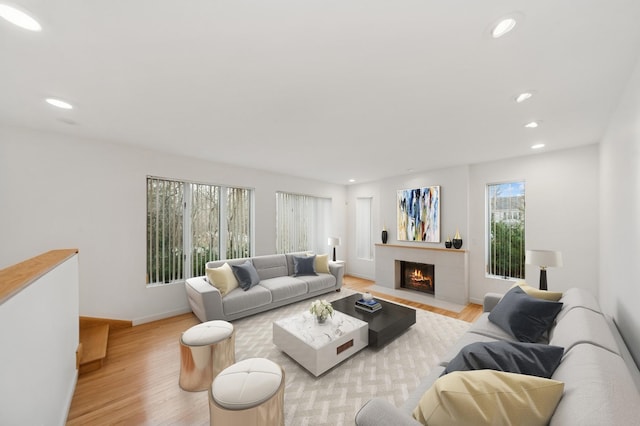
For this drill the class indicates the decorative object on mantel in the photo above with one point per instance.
(418, 214)
(544, 259)
(321, 309)
(334, 241)
(447, 243)
(385, 235)
(457, 241)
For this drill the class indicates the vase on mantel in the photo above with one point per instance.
(385, 235)
(457, 240)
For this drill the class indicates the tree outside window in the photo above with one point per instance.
(506, 230)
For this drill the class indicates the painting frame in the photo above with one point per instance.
(418, 214)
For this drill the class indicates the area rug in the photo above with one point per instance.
(391, 372)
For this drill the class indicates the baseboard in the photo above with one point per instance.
(156, 317)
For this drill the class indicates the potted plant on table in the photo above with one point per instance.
(321, 309)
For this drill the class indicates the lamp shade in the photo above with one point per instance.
(334, 241)
(543, 258)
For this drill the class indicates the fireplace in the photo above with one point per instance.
(417, 276)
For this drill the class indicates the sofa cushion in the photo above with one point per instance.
(533, 359)
(524, 317)
(318, 282)
(239, 300)
(322, 263)
(464, 340)
(271, 266)
(283, 288)
(304, 265)
(222, 278)
(289, 258)
(577, 297)
(581, 325)
(246, 275)
(598, 390)
(483, 326)
(481, 397)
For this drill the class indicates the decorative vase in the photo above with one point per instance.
(321, 319)
(385, 235)
(447, 244)
(457, 243)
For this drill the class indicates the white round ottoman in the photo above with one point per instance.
(205, 350)
(248, 393)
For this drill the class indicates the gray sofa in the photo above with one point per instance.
(277, 287)
(601, 381)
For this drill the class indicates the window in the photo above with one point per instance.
(302, 223)
(183, 227)
(506, 218)
(364, 248)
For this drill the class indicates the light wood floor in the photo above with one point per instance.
(138, 384)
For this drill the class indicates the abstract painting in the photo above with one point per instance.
(419, 214)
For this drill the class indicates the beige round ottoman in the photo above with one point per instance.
(205, 350)
(248, 393)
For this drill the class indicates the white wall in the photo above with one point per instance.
(561, 214)
(59, 192)
(620, 216)
(453, 210)
(39, 329)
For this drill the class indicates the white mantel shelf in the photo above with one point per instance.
(451, 250)
(451, 268)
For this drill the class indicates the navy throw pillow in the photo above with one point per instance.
(304, 265)
(246, 275)
(524, 317)
(533, 359)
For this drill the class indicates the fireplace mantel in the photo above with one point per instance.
(451, 268)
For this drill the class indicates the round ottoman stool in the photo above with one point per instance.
(248, 393)
(205, 350)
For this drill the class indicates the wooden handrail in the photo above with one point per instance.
(17, 277)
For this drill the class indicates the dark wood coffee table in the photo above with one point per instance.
(384, 325)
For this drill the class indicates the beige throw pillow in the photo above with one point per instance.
(488, 397)
(222, 278)
(539, 294)
(322, 263)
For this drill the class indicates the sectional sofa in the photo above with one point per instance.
(600, 378)
(276, 284)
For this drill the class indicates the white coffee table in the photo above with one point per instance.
(318, 347)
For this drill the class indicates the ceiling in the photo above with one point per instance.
(324, 89)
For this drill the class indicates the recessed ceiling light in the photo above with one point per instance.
(523, 96)
(537, 146)
(503, 27)
(352, 180)
(19, 18)
(532, 125)
(58, 103)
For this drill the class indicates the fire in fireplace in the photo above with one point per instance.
(417, 276)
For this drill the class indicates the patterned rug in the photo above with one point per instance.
(391, 372)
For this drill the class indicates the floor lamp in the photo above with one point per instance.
(334, 241)
(544, 259)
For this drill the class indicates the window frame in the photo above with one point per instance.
(509, 216)
(187, 225)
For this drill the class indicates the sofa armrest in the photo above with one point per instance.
(380, 412)
(490, 301)
(205, 300)
(337, 270)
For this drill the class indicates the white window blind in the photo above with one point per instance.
(302, 223)
(364, 247)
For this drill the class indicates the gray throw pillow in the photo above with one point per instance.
(304, 265)
(246, 275)
(524, 317)
(533, 359)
